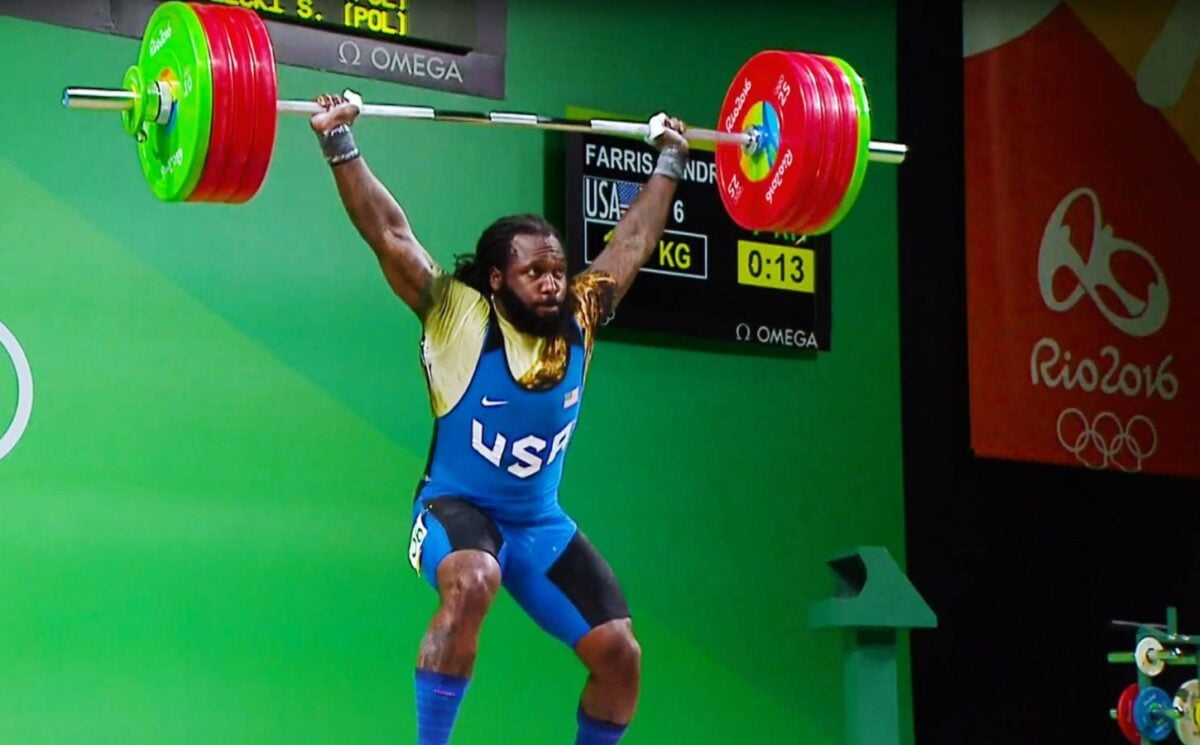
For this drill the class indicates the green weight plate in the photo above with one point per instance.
(864, 142)
(174, 50)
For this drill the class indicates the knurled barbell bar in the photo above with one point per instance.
(792, 143)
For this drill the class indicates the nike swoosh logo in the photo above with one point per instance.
(489, 402)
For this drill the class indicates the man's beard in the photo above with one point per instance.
(527, 320)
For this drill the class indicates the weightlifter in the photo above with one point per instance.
(506, 344)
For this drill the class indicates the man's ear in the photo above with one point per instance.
(495, 279)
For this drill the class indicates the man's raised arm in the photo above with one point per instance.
(372, 209)
(637, 234)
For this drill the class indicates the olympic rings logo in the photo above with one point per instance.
(1105, 441)
(20, 419)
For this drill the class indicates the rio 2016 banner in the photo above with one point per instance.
(1082, 123)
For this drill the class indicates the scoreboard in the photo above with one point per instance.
(707, 278)
(446, 23)
(451, 45)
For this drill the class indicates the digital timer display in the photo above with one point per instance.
(775, 266)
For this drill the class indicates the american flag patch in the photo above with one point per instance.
(627, 191)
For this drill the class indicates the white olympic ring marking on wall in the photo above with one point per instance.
(20, 419)
(1110, 447)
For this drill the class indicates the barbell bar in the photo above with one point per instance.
(791, 148)
(111, 99)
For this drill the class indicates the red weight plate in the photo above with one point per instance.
(849, 145)
(244, 100)
(816, 135)
(848, 148)
(266, 113)
(825, 194)
(813, 80)
(731, 181)
(221, 139)
(1125, 714)
(769, 78)
(808, 189)
(830, 150)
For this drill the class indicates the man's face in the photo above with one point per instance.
(533, 287)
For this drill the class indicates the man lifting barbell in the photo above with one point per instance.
(506, 346)
(508, 335)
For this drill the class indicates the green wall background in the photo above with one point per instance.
(203, 532)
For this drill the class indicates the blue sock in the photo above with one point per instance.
(597, 732)
(438, 697)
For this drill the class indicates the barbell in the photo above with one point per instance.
(792, 143)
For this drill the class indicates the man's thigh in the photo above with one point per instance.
(559, 578)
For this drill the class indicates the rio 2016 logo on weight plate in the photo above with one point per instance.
(11, 432)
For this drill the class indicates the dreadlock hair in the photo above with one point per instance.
(495, 247)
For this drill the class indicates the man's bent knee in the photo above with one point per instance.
(468, 581)
(611, 651)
